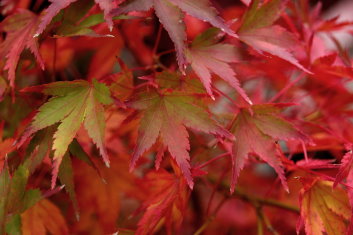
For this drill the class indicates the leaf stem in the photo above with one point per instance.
(226, 96)
(54, 59)
(166, 52)
(264, 201)
(211, 217)
(261, 201)
(287, 87)
(267, 222)
(260, 227)
(155, 47)
(212, 160)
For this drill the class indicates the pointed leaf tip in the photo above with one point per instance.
(257, 133)
(20, 27)
(168, 116)
(73, 104)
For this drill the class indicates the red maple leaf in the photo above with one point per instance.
(20, 28)
(256, 130)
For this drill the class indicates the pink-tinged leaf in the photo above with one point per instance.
(175, 134)
(323, 210)
(159, 157)
(53, 10)
(246, 2)
(171, 18)
(149, 129)
(58, 5)
(165, 202)
(167, 116)
(274, 40)
(170, 14)
(258, 31)
(19, 28)
(215, 59)
(133, 5)
(107, 7)
(256, 132)
(316, 164)
(333, 24)
(346, 168)
(203, 10)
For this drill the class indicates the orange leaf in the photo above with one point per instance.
(43, 218)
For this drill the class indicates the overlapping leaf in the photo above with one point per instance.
(258, 31)
(72, 104)
(346, 173)
(166, 202)
(20, 28)
(66, 177)
(170, 14)
(207, 56)
(346, 169)
(324, 210)
(75, 22)
(102, 202)
(57, 5)
(43, 218)
(167, 116)
(14, 198)
(256, 132)
(6, 146)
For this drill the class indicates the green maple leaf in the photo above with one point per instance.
(14, 198)
(72, 104)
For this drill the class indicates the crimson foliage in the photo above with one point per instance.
(175, 117)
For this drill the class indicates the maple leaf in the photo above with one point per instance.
(6, 146)
(72, 104)
(206, 57)
(323, 209)
(58, 5)
(346, 172)
(14, 198)
(66, 178)
(19, 28)
(170, 14)
(43, 218)
(329, 73)
(168, 115)
(95, 213)
(256, 131)
(258, 31)
(166, 200)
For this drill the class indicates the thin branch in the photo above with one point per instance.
(54, 59)
(158, 39)
(212, 160)
(261, 201)
(268, 223)
(166, 52)
(287, 87)
(211, 217)
(225, 95)
(264, 201)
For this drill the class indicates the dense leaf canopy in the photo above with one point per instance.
(175, 117)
